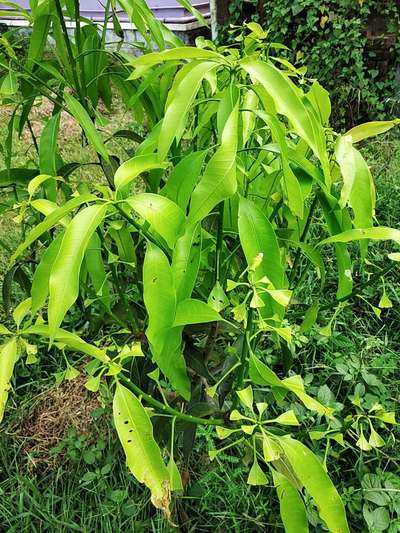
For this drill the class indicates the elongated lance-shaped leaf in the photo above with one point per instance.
(377, 233)
(371, 129)
(292, 509)
(50, 221)
(180, 99)
(316, 481)
(263, 375)
(132, 168)
(160, 301)
(219, 179)
(48, 146)
(8, 358)
(143, 455)
(82, 117)
(186, 261)
(183, 179)
(41, 276)
(257, 236)
(96, 270)
(289, 102)
(191, 311)
(71, 341)
(163, 215)
(64, 276)
(291, 184)
(146, 61)
(358, 187)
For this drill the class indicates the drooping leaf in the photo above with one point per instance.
(50, 221)
(163, 215)
(71, 341)
(316, 481)
(8, 358)
(132, 168)
(143, 456)
(292, 509)
(181, 97)
(82, 117)
(186, 261)
(160, 301)
(64, 275)
(183, 179)
(219, 179)
(371, 129)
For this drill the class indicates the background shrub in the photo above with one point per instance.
(353, 47)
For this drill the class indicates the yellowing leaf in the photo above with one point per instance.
(246, 397)
(143, 455)
(287, 419)
(256, 475)
(8, 358)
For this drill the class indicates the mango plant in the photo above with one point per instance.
(180, 276)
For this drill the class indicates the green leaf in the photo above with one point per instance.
(288, 101)
(95, 267)
(262, 375)
(312, 475)
(64, 275)
(164, 216)
(21, 311)
(287, 419)
(37, 41)
(132, 168)
(50, 221)
(219, 179)
(48, 158)
(258, 237)
(40, 280)
(186, 261)
(182, 94)
(160, 301)
(174, 54)
(72, 341)
(8, 358)
(310, 317)
(183, 179)
(246, 397)
(370, 129)
(292, 509)
(192, 311)
(9, 84)
(81, 116)
(143, 456)
(174, 475)
(256, 475)
(292, 187)
(377, 233)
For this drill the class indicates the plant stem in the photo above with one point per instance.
(244, 364)
(167, 409)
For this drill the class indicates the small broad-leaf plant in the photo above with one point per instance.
(181, 275)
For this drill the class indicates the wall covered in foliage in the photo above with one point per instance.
(352, 46)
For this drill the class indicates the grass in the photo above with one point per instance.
(84, 486)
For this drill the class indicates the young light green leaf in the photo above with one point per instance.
(48, 156)
(312, 475)
(50, 221)
(186, 261)
(95, 267)
(40, 280)
(72, 341)
(131, 169)
(81, 116)
(287, 419)
(192, 311)
(143, 456)
(182, 94)
(246, 397)
(377, 233)
(22, 310)
(8, 358)
(183, 179)
(371, 129)
(256, 475)
(64, 275)
(174, 475)
(292, 509)
(163, 215)
(219, 179)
